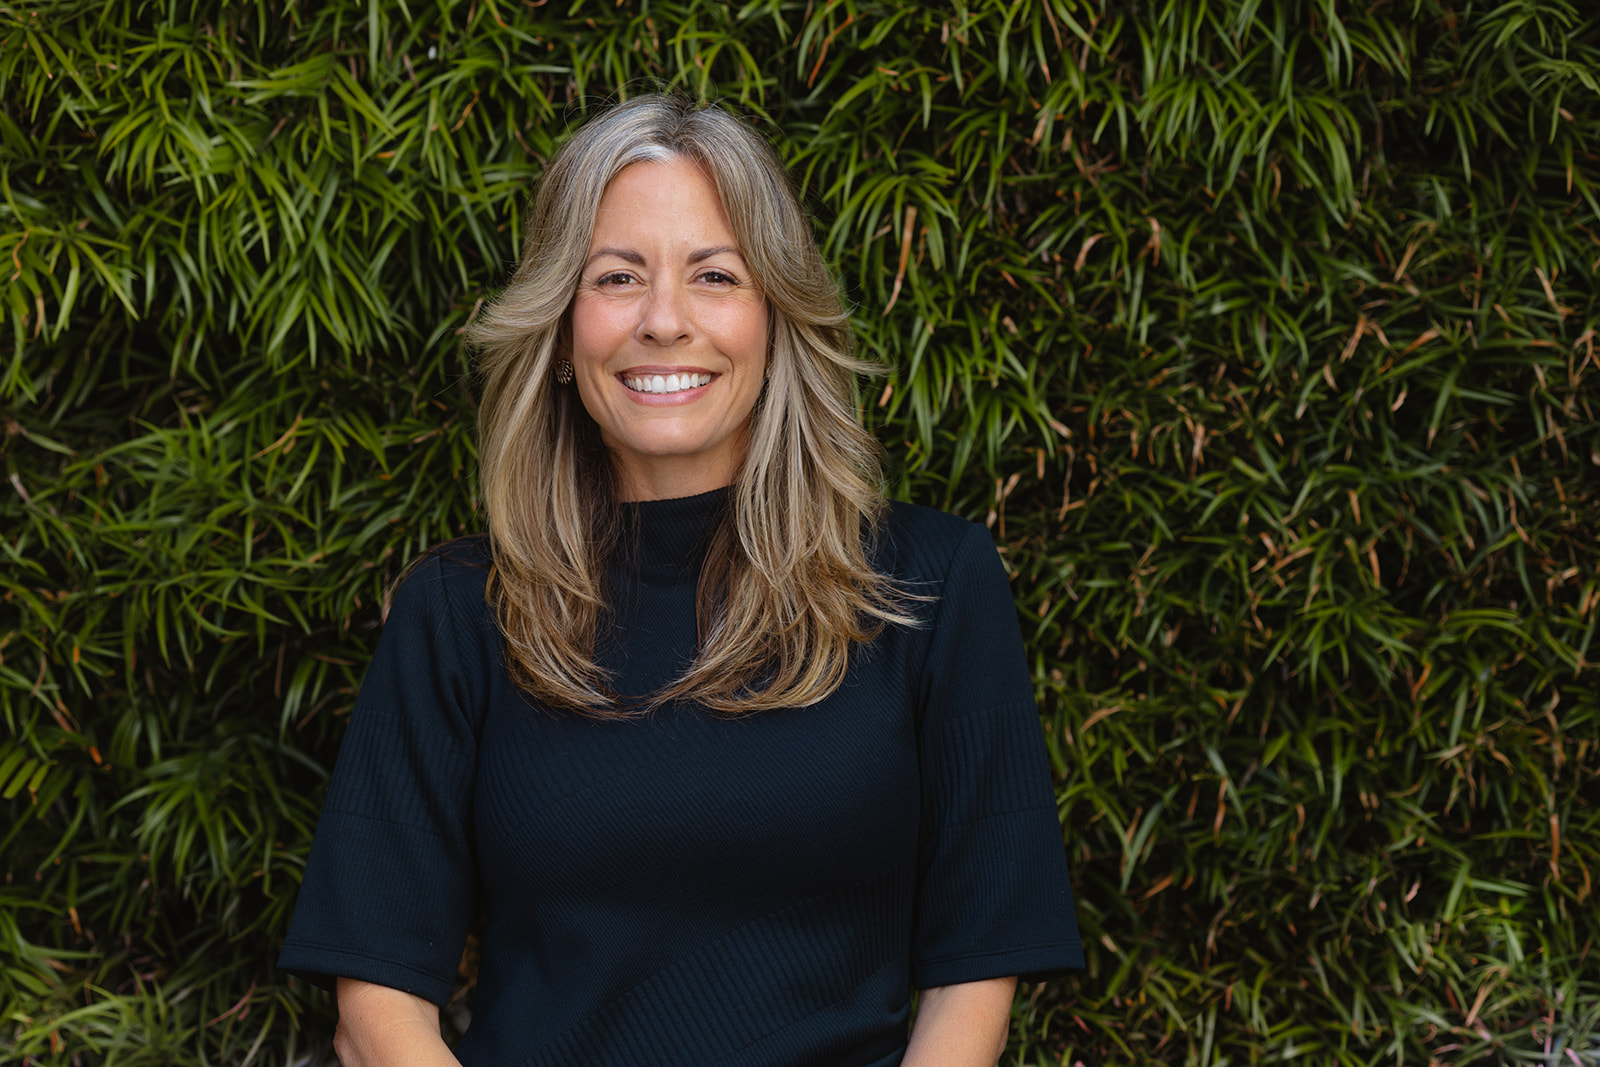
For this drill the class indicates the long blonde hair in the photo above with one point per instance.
(787, 588)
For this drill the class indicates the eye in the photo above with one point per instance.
(718, 277)
(615, 279)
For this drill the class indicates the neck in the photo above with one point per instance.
(665, 540)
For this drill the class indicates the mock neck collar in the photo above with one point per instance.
(666, 539)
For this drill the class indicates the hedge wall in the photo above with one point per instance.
(1262, 332)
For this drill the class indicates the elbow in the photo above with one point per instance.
(344, 1045)
(353, 1045)
(1000, 1041)
(379, 1025)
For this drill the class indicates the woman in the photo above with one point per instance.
(726, 753)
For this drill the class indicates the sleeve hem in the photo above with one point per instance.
(322, 964)
(1033, 963)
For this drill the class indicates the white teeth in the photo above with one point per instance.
(671, 383)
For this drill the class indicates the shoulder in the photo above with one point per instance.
(439, 627)
(972, 657)
(455, 570)
(925, 545)
(446, 586)
(952, 563)
(464, 559)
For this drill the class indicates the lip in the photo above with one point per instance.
(654, 400)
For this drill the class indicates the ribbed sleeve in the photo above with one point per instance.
(389, 888)
(993, 893)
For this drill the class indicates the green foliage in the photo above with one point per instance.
(1262, 332)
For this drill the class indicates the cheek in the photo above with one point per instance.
(744, 333)
(597, 328)
(754, 341)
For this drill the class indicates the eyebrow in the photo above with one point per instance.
(707, 253)
(628, 255)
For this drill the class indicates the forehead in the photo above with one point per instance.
(673, 201)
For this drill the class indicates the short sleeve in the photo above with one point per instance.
(389, 889)
(993, 893)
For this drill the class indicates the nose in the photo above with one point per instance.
(666, 316)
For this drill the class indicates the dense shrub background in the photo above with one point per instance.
(1262, 331)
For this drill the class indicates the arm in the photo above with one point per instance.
(383, 1027)
(961, 1025)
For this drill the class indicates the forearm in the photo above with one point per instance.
(961, 1025)
(383, 1027)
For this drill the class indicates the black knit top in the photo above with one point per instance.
(687, 888)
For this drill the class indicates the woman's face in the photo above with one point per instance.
(669, 334)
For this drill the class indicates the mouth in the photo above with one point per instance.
(665, 384)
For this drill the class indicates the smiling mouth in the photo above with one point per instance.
(665, 383)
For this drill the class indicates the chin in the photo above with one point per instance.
(669, 447)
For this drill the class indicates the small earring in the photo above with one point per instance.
(564, 372)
